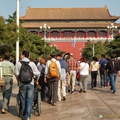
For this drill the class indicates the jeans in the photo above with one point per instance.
(113, 82)
(7, 91)
(26, 98)
(103, 78)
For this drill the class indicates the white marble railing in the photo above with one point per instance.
(56, 39)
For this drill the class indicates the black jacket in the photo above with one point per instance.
(113, 66)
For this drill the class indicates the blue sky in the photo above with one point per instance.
(8, 7)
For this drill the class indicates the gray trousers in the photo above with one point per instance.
(52, 89)
(7, 91)
(83, 82)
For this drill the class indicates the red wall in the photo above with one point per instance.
(67, 46)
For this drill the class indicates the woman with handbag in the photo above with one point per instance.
(84, 72)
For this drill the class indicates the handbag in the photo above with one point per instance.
(2, 81)
(78, 76)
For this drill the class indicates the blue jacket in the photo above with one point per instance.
(63, 64)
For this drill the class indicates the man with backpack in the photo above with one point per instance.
(52, 75)
(103, 74)
(113, 68)
(25, 71)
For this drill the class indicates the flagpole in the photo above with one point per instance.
(17, 22)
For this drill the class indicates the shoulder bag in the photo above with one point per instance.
(2, 81)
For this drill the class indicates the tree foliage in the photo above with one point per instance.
(114, 46)
(27, 41)
(106, 48)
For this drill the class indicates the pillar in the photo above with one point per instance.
(38, 33)
(86, 34)
(96, 34)
(60, 34)
(75, 34)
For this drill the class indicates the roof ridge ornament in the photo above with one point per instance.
(106, 6)
(28, 7)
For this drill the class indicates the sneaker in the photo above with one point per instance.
(49, 101)
(69, 91)
(4, 111)
(54, 104)
(92, 87)
(25, 118)
(114, 92)
(80, 91)
(64, 98)
(84, 91)
(72, 92)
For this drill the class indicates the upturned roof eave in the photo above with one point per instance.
(116, 18)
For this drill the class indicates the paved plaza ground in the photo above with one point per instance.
(96, 104)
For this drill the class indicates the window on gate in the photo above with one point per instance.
(68, 34)
(81, 34)
(55, 34)
(102, 34)
(34, 32)
(91, 34)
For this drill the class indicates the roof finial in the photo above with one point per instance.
(106, 6)
(28, 7)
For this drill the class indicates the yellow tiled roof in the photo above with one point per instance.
(67, 14)
(68, 25)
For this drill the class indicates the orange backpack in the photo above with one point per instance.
(53, 69)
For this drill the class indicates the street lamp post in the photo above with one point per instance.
(112, 28)
(93, 45)
(45, 28)
(93, 49)
(17, 21)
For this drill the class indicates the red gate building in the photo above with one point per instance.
(70, 28)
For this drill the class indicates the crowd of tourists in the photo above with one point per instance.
(54, 77)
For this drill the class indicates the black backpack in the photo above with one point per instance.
(103, 66)
(26, 73)
(42, 72)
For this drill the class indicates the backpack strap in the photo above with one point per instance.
(24, 63)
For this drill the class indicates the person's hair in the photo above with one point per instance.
(103, 55)
(53, 55)
(112, 56)
(6, 56)
(95, 59)
(42, 61)
(25, 53)
(59, 55)
(83, 60)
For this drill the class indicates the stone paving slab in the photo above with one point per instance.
(78, 106)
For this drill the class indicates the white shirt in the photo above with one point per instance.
(32, 65)
(48, 64)
(84, 68)
(94, 66)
